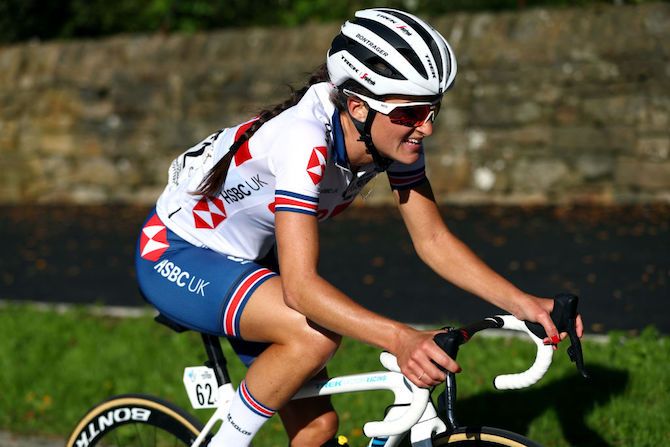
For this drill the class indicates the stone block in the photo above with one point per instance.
(656, 116)
(616, 110)
(538, 175)
(449, 173)
(47, 179)
(547, 93)
(12, 179)
(580, 137)
(654, 148)
(96, 171)
(89, 195)
(595, 166)
(56, 144)
(484, 178)
(452, 117)
(643, 174)
(9, 136)
(504, 113)
(528, 112)
(526, 136)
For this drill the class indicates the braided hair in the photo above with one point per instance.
(214, 180)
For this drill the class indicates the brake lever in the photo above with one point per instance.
(575, 349)
(564, 316)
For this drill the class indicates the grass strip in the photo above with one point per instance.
(56, 365)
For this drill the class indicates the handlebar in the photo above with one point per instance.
(564, 315)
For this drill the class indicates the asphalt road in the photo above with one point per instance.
(615, 258)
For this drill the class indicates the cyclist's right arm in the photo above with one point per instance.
(306, 291)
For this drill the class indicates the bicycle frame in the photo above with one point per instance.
(411, 411)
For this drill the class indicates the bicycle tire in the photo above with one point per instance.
(135, 419)
(482, 437)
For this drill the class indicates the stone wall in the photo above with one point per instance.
(549, 106)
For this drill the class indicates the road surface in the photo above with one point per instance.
(616, 258)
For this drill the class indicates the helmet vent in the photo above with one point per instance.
(421, 31)
(371, 59)
(397, 42)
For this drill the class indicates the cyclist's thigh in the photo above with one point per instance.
(197, 287)
(267, 318)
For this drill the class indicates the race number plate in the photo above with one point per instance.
(201, 386)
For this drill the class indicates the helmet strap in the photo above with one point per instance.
(365, 130)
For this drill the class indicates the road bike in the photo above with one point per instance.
(144, 420)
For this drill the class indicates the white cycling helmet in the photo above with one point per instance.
(391, 52)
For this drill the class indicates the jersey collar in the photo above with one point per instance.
(341, 159)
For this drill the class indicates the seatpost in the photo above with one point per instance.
(217, 361)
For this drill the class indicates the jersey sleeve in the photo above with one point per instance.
(299, 165)
(407, 176)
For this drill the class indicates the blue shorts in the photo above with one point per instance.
(196, 287)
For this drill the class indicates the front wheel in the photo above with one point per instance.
(135, 420)
(482, 437)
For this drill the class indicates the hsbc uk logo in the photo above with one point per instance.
(317, 164)
(209, 212)
(180, 277)
(153, 240)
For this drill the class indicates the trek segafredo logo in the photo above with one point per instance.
(181, 278)
(110, 419)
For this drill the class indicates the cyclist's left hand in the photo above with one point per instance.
(537, 310)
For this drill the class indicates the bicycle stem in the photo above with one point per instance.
(450, 341)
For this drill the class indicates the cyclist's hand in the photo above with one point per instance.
(537, 310)
(416, 355)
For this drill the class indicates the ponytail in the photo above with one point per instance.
(214, 180)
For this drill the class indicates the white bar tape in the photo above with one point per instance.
(539, 367)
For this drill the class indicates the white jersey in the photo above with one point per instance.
(295, 162)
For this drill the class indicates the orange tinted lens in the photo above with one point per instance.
(412, 116)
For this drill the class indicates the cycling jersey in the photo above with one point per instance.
(295, 162)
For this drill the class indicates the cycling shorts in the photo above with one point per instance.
(196, 287)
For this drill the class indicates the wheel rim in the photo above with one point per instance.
(132, 421)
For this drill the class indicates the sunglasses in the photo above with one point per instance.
(409, 114)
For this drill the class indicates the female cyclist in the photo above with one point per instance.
(244, 204)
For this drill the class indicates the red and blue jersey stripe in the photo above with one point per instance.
(297, 203)
(408, 179)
